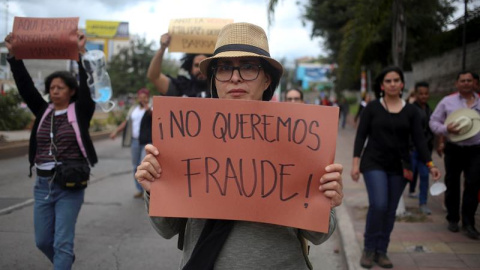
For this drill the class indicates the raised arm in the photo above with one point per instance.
(24, 82)
(154, 73)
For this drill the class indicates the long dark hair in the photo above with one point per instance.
(267, 68)
(187, 61)
(377, 87)
(67, 78)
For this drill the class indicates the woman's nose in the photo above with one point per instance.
(236, 75)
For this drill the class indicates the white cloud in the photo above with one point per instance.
(150, 18)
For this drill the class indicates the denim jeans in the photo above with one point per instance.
(419, 168)
(384, 192)
(138, 153)
(55, 215)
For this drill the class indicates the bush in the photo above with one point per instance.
(117, 117)
(12, 116)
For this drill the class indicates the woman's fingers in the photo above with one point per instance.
(149, 170)
(150, 149)
(331, 184)
(150, 164)
(334, 168)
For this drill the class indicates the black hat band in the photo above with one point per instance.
(242, 48)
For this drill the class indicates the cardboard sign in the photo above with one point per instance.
(195, 35)
(45, 38)
(243, 160)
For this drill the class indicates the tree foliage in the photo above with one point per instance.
(128, 69)
(13, 117)
(359, 33)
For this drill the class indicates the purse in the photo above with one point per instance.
(72, 175)
(407, 170)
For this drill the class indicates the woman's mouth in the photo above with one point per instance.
(237, 92)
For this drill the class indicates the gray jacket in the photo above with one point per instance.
(250, 245)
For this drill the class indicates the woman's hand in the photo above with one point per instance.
(82, 40)
(8, 44)
(149, 170)
(355, 172)
(331, 184)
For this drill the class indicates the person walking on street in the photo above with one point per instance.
(344, 111)
(461, 152)
(137, 132)
(59, 136)
(421, 94)
(387, 123)
(365, 100)
(241, 69)
(193, 84)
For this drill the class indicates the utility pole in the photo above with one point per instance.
(464, 36)
(399, 33)
(6, 17)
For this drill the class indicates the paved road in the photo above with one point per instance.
(113, 231)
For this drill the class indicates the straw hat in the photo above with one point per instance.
(241, 40)
(468, 121)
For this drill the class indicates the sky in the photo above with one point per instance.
(288, 38)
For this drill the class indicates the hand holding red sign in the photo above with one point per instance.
(330, 183)
(221, 159)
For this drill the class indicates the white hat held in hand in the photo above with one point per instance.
(468, 121)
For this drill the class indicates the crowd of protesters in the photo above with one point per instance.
(393, 145)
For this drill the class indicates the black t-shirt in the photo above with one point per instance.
(388, 138)
(183, 86)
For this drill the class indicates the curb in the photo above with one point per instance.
(351, 248)
(14, 207)
(20, 148)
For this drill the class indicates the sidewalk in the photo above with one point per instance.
(417, 241)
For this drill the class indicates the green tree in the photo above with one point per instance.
(128, 69)
(359, 33)
(12, 117)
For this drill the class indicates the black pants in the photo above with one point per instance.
(460, 159)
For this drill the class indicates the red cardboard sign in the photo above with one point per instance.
(243, 160)
(45, 38)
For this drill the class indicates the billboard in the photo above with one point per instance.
(106, 29)
(312, 73)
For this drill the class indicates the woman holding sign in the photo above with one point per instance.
(388, 123)
(241, 68)
(59, 139)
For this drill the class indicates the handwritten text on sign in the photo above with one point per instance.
(45, 38)
(195, 35)
(243, 160)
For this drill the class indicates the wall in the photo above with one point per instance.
(441, 71)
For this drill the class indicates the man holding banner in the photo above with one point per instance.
(192, 85)
(243, 75)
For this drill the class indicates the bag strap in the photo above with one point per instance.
(181, 233)
(53, 132)
(305, 249)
